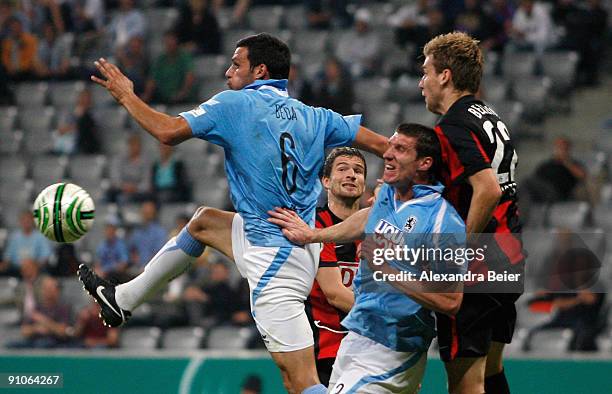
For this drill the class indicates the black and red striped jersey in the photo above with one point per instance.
(473, 138)
(324, 318)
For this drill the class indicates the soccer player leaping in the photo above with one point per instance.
(274, 149)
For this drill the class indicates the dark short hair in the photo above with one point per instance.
(427, 144)
(344, 151)
(269, 50)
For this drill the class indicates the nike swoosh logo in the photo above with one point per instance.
(101, 295)
(318, 324)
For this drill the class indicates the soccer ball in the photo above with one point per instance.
(63, 212)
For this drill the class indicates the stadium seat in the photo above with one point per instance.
(371, 91)
(491, 64)
(571, 215)
(405, 89)
(49, 169)
(231, 37)
(538, 243)
(12, 168)
(550, 342)
(382, 118)
(101, 97)
(9, 334)
(294, 18)
(36, 119)
(142, 338)
(73, 294)
(114, 141)
(210, 66)
(533, 93)
(81, 167)
(190, 150)
(8, 117)
(65, 94)
(159, 20)
(170, 211)
(8, 286)
(112, 118)
(605, 194)
(210, 87)
(212, 194)
(560, 67)
(417, 113)
(311, 42)
(511, 112)
(602, 215)
(185, 338)
(10, 141)
(265, 18)
(229, 338)
(495, 89)
(31, 94)
(518, 65)
(9, 316)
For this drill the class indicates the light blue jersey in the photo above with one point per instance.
(381, 312)
(274, 149)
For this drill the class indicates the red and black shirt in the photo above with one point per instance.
(324, 318)
(473, 138)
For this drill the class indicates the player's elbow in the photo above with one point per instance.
(452, 304)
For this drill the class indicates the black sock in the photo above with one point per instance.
(497, 384)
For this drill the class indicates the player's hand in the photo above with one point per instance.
(293, 227)
(116, 83)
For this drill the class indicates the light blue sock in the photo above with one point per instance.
(316, 389)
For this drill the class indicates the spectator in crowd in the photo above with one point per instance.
(65, 261)
(77, 131)
(87, 25)
(91, 332)
(532, 27)
(169, 177)
(37, 13)
(476, 22)
(213, 300)
(197, 27)
(172, 79)
(134, 61)
(334, 90)
(501, 13)
(252, 385)
(556, 178)
(90, 10)
(299, 87)
(48, 325)
(130, 174)
(25, 243)
(240, 9)
(54, 52)
(598, 27)
(19, 50)
(127, 23)
(407, 18)
(420, 35)
(323, 14)
(361, 47)
(112, 256)
(572, 293)
(147, 238)
(25, 294)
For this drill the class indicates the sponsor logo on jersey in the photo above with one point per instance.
(389, 232)
(410, 224)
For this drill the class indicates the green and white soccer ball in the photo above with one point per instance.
(63, 212)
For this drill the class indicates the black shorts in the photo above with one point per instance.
(481, 319)
(324, 369)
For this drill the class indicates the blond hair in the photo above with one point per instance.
(459, 53)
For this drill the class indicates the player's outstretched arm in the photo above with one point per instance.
(297, 231)
(370, 141)
(165, 128)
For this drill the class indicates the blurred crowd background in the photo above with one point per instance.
(546, 74)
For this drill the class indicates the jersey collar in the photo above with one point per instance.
(421, 193)
(278, 86)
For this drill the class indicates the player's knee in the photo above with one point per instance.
(201, 220)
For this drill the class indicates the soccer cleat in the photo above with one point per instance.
(103, 293)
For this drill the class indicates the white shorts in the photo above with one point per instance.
(365, 366)
(280, 279)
